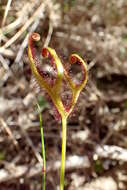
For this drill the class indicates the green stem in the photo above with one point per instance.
(63, 156)
(43, 155)
(43, 148)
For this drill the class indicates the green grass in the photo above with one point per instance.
(42, 147)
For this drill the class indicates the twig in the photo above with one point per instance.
(8, 53)
(72, 162)
(25, 41)
(23, 29)
(10, 27)
(50, 31)
(112, 152)
(30, 143)
(7, 129)
(4, 62)
(6, 12)
(7, 29)
(14, 25)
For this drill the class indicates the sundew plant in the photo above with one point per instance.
(53, 87)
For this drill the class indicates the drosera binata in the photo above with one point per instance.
(53, 88)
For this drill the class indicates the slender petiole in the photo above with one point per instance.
(63, 155)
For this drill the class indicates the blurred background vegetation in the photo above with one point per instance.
(97, 129)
